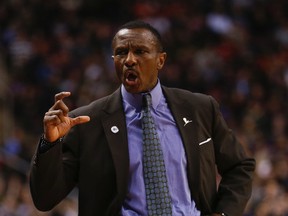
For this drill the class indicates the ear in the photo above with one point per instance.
(161, 60)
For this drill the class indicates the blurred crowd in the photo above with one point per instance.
(234, 50)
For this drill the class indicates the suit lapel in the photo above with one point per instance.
(114, 124)
(187, 125)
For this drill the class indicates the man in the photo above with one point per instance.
(99, 147)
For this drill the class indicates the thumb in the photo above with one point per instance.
(79, 120)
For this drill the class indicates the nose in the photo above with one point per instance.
(130, 59)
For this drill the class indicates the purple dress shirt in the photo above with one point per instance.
(173, 150)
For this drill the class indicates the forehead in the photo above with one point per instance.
(134, 37)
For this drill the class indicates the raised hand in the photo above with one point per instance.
(57, 122)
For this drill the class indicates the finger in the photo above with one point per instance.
(79, 120)
(62, 95)
(51, 120)
(60, 105)
(56, 113)
(53, 114)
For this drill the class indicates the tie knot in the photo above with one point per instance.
(147, 100)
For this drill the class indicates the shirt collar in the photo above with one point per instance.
(135, 100)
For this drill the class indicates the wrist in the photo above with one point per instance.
(46, 145)
(45, 141)
(48, 139)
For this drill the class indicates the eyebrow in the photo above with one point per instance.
(137, 46)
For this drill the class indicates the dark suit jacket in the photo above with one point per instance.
(96, 160)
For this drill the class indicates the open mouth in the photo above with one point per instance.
(131, 77)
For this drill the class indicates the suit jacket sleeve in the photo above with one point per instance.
(234, 166)
(53, 175)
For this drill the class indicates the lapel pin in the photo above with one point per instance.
(114, 129)
(186, 121)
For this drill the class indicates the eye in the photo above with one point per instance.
(121, 52)
(140, 51)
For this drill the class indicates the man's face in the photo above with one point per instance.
(137, 59)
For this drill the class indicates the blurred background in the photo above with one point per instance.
(234, 50)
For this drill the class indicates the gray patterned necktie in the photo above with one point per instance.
(156, 186)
